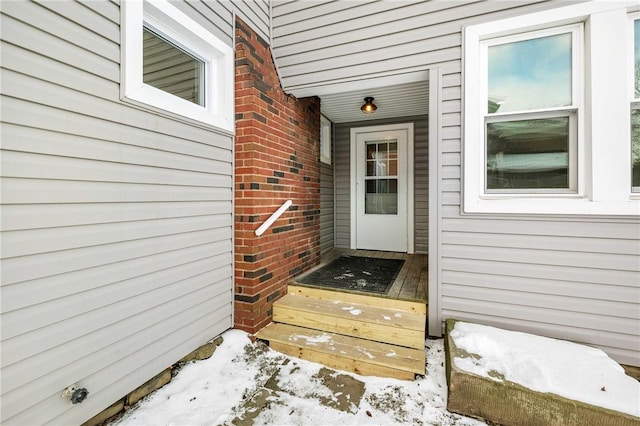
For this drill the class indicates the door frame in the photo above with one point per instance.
(408, 127)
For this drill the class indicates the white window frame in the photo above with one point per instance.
(634, 102)
(182, 31)
(604, 170)
(325, 140)
(573, 111)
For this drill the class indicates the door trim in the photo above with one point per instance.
(408, 127)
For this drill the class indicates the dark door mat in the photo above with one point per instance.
(367, 274)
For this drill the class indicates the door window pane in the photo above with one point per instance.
(382, 159)
(530, 74)
(381, 196)
(531, 154)
(171, 69)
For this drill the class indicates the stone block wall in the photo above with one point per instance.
(277, 151)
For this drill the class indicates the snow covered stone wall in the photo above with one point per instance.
(511, 377)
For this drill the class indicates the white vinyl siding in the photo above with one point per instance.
(574, 280)
(255, 13)
(327, 218)
(316, 44)
(579, 280)
(116, 222)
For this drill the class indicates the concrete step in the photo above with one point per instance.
(347, 353)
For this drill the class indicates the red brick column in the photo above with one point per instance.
(277, 149)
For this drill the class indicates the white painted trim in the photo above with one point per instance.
(176, 26)
(434, 289)
(409, 128)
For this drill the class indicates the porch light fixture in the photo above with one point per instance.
(368, 107)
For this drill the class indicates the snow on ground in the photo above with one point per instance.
(245, 383)
(543, 364)
(217, 391)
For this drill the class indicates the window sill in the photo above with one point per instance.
(546, 205)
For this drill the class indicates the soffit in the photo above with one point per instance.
(400, 100)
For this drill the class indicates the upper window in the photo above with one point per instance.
(635, 105)
(547, 125)
(173, 64)
(531, 117)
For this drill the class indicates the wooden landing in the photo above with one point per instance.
(412, 280)
(360, 333)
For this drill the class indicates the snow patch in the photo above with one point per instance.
(366, 353)
(238, 369)
(311, 340)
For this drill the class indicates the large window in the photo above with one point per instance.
(172, 64)
(531, 117)
(547, 126)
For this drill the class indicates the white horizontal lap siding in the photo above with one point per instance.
(116, 222)
(329, 42)
(256, 14)
(342, 168)
(326, 208)
(574, 280)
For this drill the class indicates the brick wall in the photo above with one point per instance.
(277, 150)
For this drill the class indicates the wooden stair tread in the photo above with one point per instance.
(318, 293)
(345, 352)
(376, 323)
(351, 310)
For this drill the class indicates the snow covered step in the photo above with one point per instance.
(377, 323)
(344, 352)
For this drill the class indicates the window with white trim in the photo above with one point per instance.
(532, 111)
(174, 65)
(547, 128)
(635, 103)
(325, 140)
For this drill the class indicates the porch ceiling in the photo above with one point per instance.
(398, 100)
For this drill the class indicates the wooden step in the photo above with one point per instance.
(319, 293)
(344, 352)
(377, 323)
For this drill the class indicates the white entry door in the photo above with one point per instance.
(383, 190)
